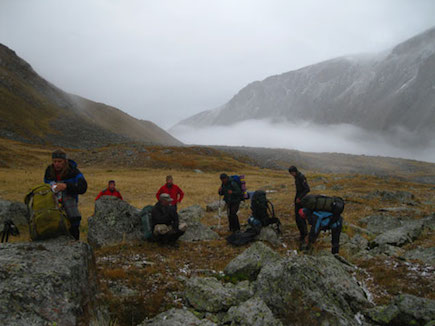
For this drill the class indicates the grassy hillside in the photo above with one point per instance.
(138, 179)
(33, 110)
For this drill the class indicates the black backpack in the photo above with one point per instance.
(263, 210)
(334, 205)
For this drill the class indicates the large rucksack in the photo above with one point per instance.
(145, 215)
(240, 180)
(263, 210)
(333, 205)
(46, 217)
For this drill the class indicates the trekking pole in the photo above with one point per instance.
(219, 212)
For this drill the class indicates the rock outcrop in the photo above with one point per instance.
(46, 283)
(113, 222)
(253, 312)
(248, 264)
(399, 236)
(15, 211)
(307, 289)
(177, 317)
(196, 231)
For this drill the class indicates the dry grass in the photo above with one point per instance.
(154, 271)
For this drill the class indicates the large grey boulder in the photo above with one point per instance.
(46, 283)
(381, 223)
(307, 289)
(192, 214)
(207, 294)
(253, 312)
(177, 317)
(12, 210)
(198, 232)
(248, 264)
(269, 234)
(425, 255)
(357, 245)
(113, 222)
(405, 310)
(399, 236)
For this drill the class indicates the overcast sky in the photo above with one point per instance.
(166, 60)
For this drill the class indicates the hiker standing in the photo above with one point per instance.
(110, 191)
(232, 197)
(173, 190)
(302, 189)
(164, 221)
(67, 182)
(322, 221)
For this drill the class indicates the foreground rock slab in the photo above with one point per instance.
(114, 221)
(253, 312)
(406, 309)
(177, 317)
(248, 264)
(309, 289)
(46, 283)
(207, 294)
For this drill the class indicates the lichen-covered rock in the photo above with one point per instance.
(399, 236)
(198, 232)
(425, 255)
(46, 283)
(404, 197)
(15, 211)
(191, 215)
(405, 310)
(381, 223)
(308, 289)
(113, 222)
(270, 235)
(207, 294)
(253, 312)
(356, 245)
(248, 264)
(388, 250)
(177, 317)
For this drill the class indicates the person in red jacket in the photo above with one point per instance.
(110, 191)
(173, 190)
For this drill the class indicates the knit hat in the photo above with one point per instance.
(59, 153)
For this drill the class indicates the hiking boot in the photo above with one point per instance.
(302, 246)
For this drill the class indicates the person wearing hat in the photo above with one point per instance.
(68, 182)
(302, 189)
(322, 221)
(110, 191)
(232, 197)
(164, 221)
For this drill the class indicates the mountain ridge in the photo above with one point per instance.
(34, 110)
(379, 92)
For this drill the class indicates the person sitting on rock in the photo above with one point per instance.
(68, 182)
(110, 191)
(164, 221)
(322, 221)
(232, 197)
(173, 190)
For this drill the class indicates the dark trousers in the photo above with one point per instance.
(335, 242)
(73, 215)
(233, 219)
(301, 223)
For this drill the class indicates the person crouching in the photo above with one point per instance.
(164, 221)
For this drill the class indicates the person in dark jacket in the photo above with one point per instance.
(110, 191)
(322, 221)
(68, 183)
(164, 221)
(302, 189)
(232, 197)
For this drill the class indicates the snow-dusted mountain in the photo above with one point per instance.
(381, 92)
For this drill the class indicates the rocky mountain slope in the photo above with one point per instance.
(382, 92)
(34, 110)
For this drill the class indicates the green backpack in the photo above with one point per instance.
(145, 215)
(46, 218)
(333, 205)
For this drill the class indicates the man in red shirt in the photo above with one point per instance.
(173, 190)
(110, 191)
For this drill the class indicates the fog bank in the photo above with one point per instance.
(309, 137)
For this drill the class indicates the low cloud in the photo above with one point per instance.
(309, 137)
